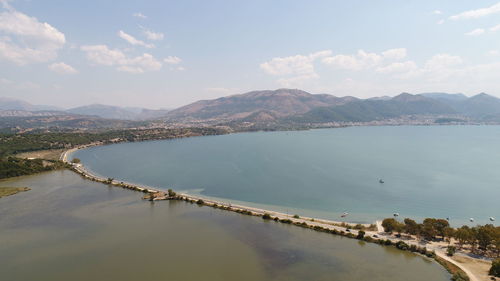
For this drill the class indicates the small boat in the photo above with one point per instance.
(381, 181)
(492, 219)
(344, 214)
(448, 219)
(471, 219)
(396, 214)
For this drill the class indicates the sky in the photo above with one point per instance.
(164, 54)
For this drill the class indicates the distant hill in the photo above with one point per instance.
(15, 107)
(268, 108)
(15, 104)
(297, 106)
(445, 96)
(376, 109)
(104, 111)
(256, 104)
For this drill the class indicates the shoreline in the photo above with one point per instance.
(431, 250)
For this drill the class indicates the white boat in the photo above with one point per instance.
(471, 219)
(396, 214)
(492, 219)
(344, 214)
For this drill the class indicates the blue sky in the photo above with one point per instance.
(163, 54)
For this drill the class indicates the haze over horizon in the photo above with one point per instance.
(170, 54)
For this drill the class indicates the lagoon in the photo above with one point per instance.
(68, 228)
(428, 171)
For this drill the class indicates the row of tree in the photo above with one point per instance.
(484, 239)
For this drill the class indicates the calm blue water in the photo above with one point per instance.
(438, 171)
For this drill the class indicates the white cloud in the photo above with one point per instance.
(296, 69)
(359, 61)
(151, 35)
(293, 65)
(62, 68)
(441, 61)
(101, 54)
(297, 80)
(172, 60)
(440, 22)
(473, 14)
(495, 28)
(437, 12)
(131, 39)
(139, 15)
(493, 53)
(394, 54)
(181, 68)
(475, 32)
(399, 69)
(24, 39)
(222, 90)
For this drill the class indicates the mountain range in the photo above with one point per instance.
(19, 108)
(292, 105)
(281, 106)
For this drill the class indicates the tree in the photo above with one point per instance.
(449, 232)
(427, 230)
(171, 193)
(450, 251)
(495, 268)
(361, 234)
(485, 235)
(391, 225)
(463, 235)
(411, 226)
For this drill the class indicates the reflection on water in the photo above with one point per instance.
(67, 228)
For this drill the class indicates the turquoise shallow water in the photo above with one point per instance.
(433, 171)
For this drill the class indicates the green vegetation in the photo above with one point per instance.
(266, 216)
(495, 268)
(13, 167)
(296, 216)
(450, 251)
(76, 160)
(7, 191)
(361, 235)
(200, 202)
(16, 143)
(11, 144)
(171, 193)
(457, 273)
(482, 239)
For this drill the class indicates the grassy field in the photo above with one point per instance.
(51, 154)
(6, 191)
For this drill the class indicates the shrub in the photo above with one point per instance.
(266, 216)
(361, 234)
(413, 248)
(368, 239)
(200, 202)
(296, 217)
(495, 268)
(388, 242)
(459, 277)
(451, 251)
(171, 193)
(76, 160)
(402, 245)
